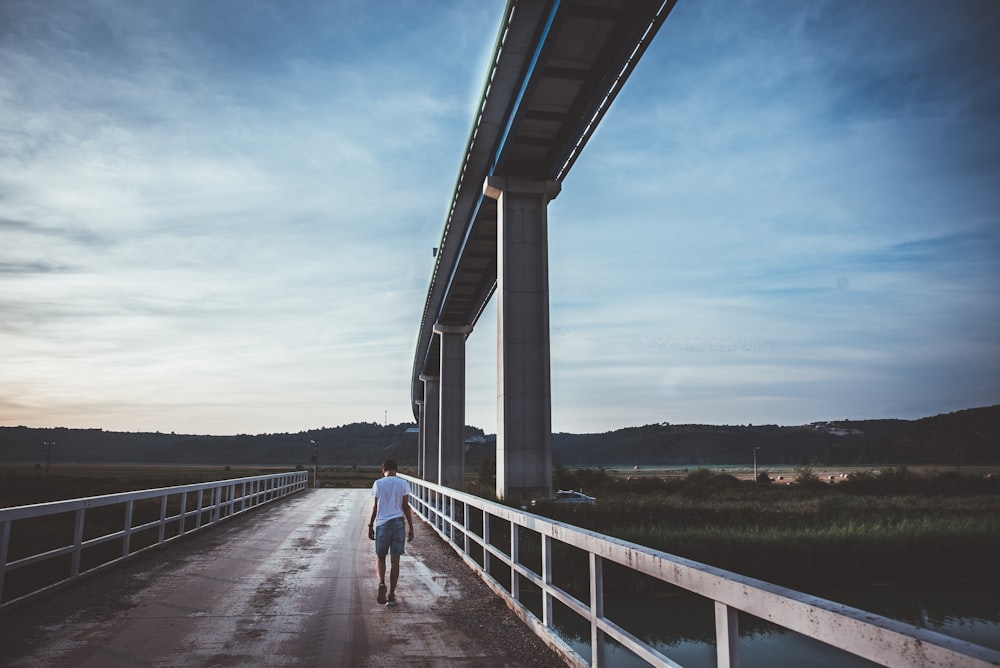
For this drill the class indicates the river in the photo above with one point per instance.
(682, 627)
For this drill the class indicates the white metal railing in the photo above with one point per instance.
(173, 512)
(456, 515)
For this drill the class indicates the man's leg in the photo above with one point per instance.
(380, 567)
(397, 545)
(393, 573)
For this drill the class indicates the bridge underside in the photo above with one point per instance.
(557, 67)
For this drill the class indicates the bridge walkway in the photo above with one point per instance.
(290, 584)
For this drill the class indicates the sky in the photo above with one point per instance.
(217, 217)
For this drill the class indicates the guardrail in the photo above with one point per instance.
(33, 538)
(489, 537)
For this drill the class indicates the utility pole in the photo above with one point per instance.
(755, 449)
(315, 461)
(48, 454)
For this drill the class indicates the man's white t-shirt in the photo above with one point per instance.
(389, 490)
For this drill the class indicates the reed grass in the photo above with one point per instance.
(807, 537)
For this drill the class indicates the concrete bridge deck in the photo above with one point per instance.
(290, 584)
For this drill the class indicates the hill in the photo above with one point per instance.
(352, 444)
(966, 437)
(962, 438)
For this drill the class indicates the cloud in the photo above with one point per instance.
(219, 219)
(236, 195)
(30, 268)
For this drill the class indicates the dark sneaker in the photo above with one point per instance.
(381, 594)
(391, 600)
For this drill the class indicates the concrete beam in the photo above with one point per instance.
(422, 417)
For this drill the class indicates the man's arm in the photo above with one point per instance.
(409, 516)
(371, 520)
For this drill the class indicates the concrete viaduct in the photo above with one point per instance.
(556, 68)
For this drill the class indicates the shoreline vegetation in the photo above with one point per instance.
(893, 526)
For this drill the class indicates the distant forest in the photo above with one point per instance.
(967, 437)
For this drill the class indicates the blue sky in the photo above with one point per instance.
(217, 217)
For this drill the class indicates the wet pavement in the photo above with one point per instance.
(291, 584)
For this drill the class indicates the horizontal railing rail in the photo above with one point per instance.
(465, 522)
(50, 544)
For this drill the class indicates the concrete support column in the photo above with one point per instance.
(421, 420)
(429, 427)
(524, 388)
(452, 421)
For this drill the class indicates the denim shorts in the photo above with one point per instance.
(391, 537)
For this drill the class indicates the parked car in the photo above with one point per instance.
(567, 496)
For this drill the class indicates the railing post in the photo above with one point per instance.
(598, 655)
(451, 519)
(727, 636)
(515, 582)
(4, 545)
(127, 539)
(213, 515)
(547, 581)
(465, 526)
(201, 504)
(163, 517)
(184, 499)
(74, 568)
(486, 541)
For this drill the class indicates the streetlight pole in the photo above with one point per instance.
(315, 458)
(48, 454)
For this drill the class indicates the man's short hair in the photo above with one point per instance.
(389, 465)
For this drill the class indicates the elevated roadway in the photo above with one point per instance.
(556, 68)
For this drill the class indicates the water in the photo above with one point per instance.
(682, 627)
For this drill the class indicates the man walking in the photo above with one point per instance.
(386, 528)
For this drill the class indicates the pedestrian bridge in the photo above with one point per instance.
(262, 571)
(284, 583)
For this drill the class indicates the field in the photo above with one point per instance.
(785, 474)
(812, 529)
(22, 484)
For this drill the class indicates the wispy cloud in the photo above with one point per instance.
(218, 220)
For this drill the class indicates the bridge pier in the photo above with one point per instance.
(421, 418)
(451, 449)
(524, 394)
(429, 431)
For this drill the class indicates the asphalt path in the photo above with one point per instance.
(290, 584)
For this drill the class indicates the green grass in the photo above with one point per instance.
(900, 527)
